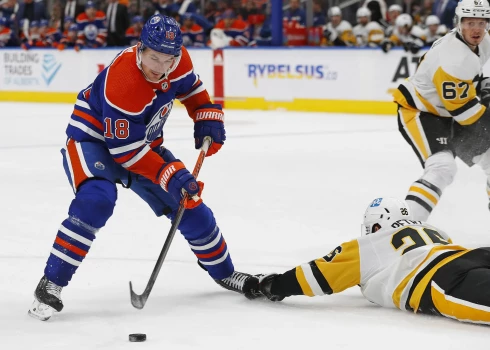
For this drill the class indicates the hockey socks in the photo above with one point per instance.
(70, 247)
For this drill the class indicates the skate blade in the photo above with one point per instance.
(40, 311)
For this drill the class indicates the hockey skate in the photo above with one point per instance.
(46, 300)
(240, 282)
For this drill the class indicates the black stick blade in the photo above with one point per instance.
(138, 301)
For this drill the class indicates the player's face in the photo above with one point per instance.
(473, 30)
(433, 28)
(91, 12)
(393, 15)
(336, 20)
(188, 23)
(363, 20)
(155, 64)
(228, 22)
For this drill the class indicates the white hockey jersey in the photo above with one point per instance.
(430, 37)
(343, 31)
(393, 266)
(446, 79)
(370, 34)
(399, 39)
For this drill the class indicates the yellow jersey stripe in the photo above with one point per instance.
(422, 285)
(456, 308)
(424, 193)
(408, 116)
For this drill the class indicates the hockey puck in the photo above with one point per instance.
(137, 337)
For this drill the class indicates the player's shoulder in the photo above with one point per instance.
(220, 25)
(196, 28)
(82, 17)
(417, 31)
(184, 67)
(125, 88)
(239, 24)
(343, 26)
(373, 26)
(455, 58)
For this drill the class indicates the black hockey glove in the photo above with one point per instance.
(485, 92)
(386, 45)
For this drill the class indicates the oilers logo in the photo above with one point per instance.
(90, 31)
(155, 20)
(155, 126)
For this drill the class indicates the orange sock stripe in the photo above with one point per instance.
(213, 254)
(70, 247)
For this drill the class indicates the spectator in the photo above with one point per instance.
(33, 11)
(434, 29)
(445, 10)
(411, 37)
(319, 18)
(133, 33)
(393, 12)
(91, 26)
(183, 6)
(117, 23)
(162, 7)
(295, 13)
(50, 36)
(8, 9)
(192, 33)
(425, 11)
(211, 12)
(72, 9)
(338, 32)
(69, 39)
(230, 31)
(367, 32)
(6, 36)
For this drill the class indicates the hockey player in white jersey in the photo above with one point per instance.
(411, 37)
(398, 263)
(338, 32)
(367, 32)
(440, 114)
(434, 30)
(394, 11)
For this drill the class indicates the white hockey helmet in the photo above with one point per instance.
(395, 7)
(382, 212)
(404, 20)
(471, 9)
(432, 20)
(334, 11)
(363, 12)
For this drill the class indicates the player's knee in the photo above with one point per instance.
(94, 202)
(197, 223)
(440, 169)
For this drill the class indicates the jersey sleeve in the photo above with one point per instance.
(457, 92)
(190, 92)
(333, 273)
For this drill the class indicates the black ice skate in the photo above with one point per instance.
(46, 300)
(240, 282)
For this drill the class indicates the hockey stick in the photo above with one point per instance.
(137, 300)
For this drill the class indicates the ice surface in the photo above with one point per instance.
(286, 188)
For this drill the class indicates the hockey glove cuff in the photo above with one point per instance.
(209, 121)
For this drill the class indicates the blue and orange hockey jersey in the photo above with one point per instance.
(127, 113)
(92, 32)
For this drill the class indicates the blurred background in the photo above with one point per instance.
(221, 23)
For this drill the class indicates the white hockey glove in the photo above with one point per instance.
(485, 92)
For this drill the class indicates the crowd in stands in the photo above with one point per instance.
(92, 24)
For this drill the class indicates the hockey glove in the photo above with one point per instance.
(177, 180)
(209, 121)
(386, 45)
(485, 92)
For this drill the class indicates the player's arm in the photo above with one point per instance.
(333, 273)
(125, 138)
(208, 117)
(458, 94)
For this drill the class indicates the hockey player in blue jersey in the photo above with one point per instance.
(115, 135)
